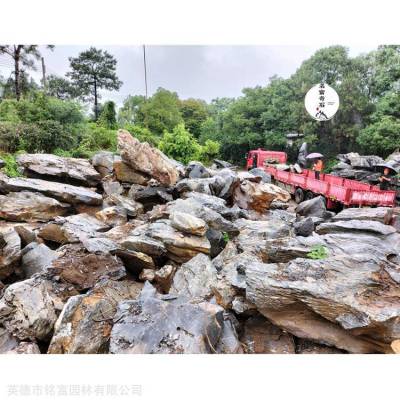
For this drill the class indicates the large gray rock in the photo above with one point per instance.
(379, 214)
(124, 173)
(196, 169)
(343, 301)
(258, 196)
(200, 210)
(29, 308)
(36, 258)
(10, 251)
(85, 323)
(180, 248)
(313, 208)
(150, 196)
(62, 169)
(60, 191)
(195, 279)
(146, 159)
(152, 325)
(187, 223)
(103, 162)
(361, 226)
(132, 207)
(144, 244)
(72, 229)
(30, 207)
(265, 177)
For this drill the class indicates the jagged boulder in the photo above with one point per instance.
(62, 169)
(113, 216)
(196, 169)
(30, 207)
(187, 223)
(195, 278)
(124, 173)
(72, 229)
(180, 247)
(132, 207)
(153, 325)
(60, 191)
(362, 226)
(146, 159)
(315, 207)
(36, 258)
(103, 162)
(10, 251)
(258, 196)
(150, 196)
(344, 301)
(265, 177)
(85, 323)
(29, 308)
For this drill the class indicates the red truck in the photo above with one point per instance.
(336, 190)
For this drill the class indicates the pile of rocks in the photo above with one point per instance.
(363, 168)
(136, 253)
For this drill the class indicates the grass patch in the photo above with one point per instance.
(318, 253)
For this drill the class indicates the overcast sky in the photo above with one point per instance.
(204, 72)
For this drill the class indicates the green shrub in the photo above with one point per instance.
(209, 151)
(318, 252)
(107, 117)
(10, 136)
(180, 145)
(11, 166)
(45, 137)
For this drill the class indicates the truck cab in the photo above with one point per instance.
(258, 158)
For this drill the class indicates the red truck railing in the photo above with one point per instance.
(334, 188)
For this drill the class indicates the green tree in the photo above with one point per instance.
(23, 56)
(108, 116)
(180, 145)
(92, 70)
(194, 113)
(160, 112)
(61, 88)
(127, 114)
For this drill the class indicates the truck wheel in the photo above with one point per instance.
(298, 195)
(309, 195)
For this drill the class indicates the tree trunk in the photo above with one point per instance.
(95, 100)
(17, 73)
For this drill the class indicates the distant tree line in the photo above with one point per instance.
(51, 116)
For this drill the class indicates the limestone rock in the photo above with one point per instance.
(258, 196)
(195, 278)
(72, 229)
(85, 323)
(60, 191)
(36, 258)
(151, 325)
(146, 159)
(30, 207)
(29, 308)
(187, 223)
(63, 169)
(10, 251)
(132, 207)
(113, 216)
(124, 173)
